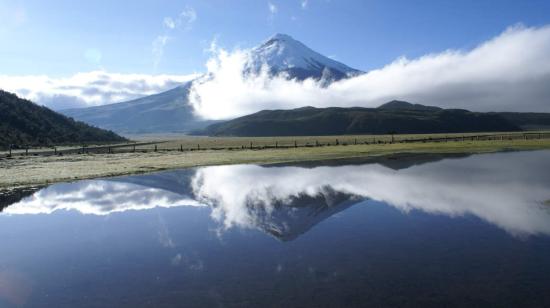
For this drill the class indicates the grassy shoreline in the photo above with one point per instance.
(22, 172)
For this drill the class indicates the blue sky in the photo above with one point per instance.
(61, 38)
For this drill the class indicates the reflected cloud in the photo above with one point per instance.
(506, 189)
(282, 201)
(97, 197)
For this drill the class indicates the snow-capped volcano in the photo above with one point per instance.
(283, 54)
(170, 111)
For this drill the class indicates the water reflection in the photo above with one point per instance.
(508, 190)
(97, 197)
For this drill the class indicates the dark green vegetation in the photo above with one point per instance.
(168, 111)
(528, 120)
(394, 117)
(23, 123)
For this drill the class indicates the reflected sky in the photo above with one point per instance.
(509, 190)
(426, 231)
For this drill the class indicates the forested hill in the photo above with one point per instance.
(24, 123)
(396, 117)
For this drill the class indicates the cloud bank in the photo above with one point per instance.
(510, 72)
(90, 88)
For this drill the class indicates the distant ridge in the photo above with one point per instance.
(402, 105)
(395, 116)
(24, 123)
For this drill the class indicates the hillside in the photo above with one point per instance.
(23, 123)
(164, 112)
(528, 120)
(397, 117)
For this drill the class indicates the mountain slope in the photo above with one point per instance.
(339, 121)
(164, 112)
(23, 123)
(170, 111)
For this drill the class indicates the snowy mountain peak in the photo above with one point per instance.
(281, 37)
(282, 53)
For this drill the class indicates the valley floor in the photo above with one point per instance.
(28, 171)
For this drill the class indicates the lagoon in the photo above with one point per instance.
(429, 231)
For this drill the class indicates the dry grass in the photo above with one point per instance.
(174, 141)
(39, 170)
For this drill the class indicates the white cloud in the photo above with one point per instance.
(169, 23)
(510, 72)
(183, 21)
(304, 4)
(212, 46)
(272, 8)
(90, 88)
(158, 48)
(187, 17)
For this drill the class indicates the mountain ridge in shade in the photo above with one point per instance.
(24, 123)
(403, 105)
(395, 117)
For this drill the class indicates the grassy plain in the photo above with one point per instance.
(175, 141)
(26, 171)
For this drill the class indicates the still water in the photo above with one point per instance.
(427, 231)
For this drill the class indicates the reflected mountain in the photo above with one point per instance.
(284, 219)
(508, 190)
(396, 161)
(175, 181)
(289, 220)
(10, 197)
